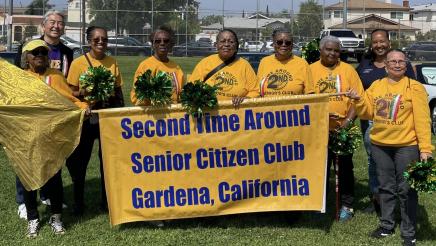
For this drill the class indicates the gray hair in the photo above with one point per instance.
(327, 39)
(24, 64)
(52, 12)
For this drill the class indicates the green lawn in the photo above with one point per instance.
(243, 229)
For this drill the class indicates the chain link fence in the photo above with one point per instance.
(130, 24)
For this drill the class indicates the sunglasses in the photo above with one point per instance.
(39, 52)
(96, 40)
(281, 42)
(159, 41)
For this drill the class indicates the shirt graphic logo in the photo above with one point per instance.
(225, 81)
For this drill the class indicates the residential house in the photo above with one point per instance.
(423, 17)
(23, 26)
(73, 28)
(363, 16)
(246, 27)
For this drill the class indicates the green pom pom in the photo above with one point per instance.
(198, 96)
(421, 175)
(158, 89)
(345, 140)
(310, 51)
(98, 82)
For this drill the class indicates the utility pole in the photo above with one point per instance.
(223, 14)
(11, 4)
(4, 20)
(83, 3)
(257, 22)
(292, 17)
(344, 17)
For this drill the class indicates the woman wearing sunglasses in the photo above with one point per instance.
(234, 76)
(78, 161)
(34, 60)
(163, 41)
(398, 107)
(283, 73)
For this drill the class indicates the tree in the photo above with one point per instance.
(309, 19)
(133, 15)
(211, 19)
(38, 7)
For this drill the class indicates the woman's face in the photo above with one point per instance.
(396, 64)
(37, 58)
(226, 45)
(283, 45)
(98, 41)
(162, 44)
(380, 44)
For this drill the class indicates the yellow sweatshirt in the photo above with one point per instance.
(56, 80)
(400, 113)
(155, 65)
(235, 79)
(80, 65)
(281, 78)
(339, 79)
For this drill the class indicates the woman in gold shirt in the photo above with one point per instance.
(34, 60)
(234, 76)
(78, 161)
(283, 73)
(163, 41)
(400, 134)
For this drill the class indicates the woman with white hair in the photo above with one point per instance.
(335, 77)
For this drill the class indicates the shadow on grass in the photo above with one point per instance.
(425, 230)
(92, 202)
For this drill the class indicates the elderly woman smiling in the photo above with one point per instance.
(34, 60)
(401, 134)
(234, 76)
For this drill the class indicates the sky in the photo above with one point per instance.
(208, 7)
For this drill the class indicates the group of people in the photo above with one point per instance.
(382, 91)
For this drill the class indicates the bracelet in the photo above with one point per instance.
(349, 120)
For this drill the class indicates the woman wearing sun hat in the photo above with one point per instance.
(34, 60)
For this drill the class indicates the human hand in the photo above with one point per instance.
(345, 123)
(352, 93)
(424, 156)
(88, 111)
(237, 101)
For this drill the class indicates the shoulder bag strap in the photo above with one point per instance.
(219, 67)
(87, 59)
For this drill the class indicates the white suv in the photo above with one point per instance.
(426, 74)
(350, 44)
(72, 44)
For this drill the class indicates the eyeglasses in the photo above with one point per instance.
(286, 42)
(39, 52)
(159, 41)
(395, 62)
(97, 40)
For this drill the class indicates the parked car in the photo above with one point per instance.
(421, 51)
(253, 58)
(253, 46)
(351, 46)
(72, 44)
(267, 47)
(123, 45)
(194, 48)
(426, 74)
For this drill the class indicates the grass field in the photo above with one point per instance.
(243, 229)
